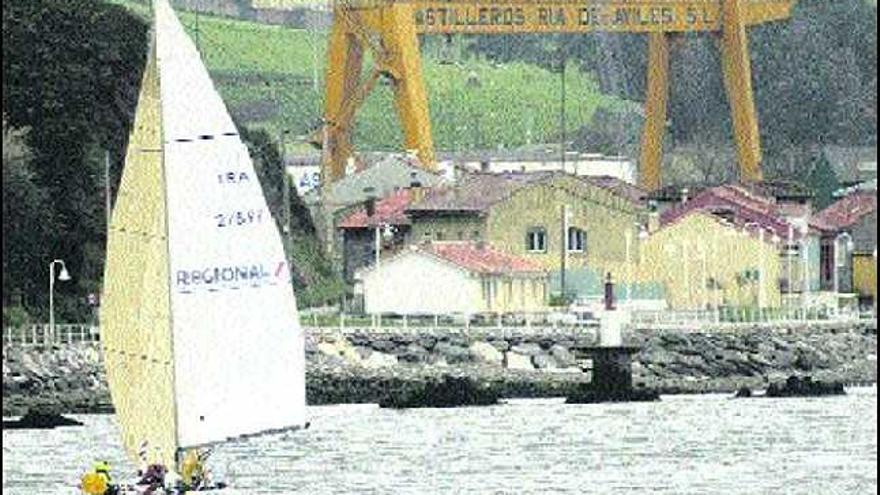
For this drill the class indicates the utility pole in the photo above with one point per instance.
(562, 106)
(564, 250)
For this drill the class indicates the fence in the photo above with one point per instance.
(41, 335)
(737, 317)
(724, 318)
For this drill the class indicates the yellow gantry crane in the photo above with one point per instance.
(389, 29)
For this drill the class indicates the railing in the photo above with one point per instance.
(317, 323)
(741, 317)
(42, 335)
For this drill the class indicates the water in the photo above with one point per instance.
(681, 445)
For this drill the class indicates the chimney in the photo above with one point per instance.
(416, 191)
(370, 202)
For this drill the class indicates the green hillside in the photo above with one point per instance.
(265, 74)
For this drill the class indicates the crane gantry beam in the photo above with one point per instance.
(390, 30)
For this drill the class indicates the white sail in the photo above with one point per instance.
(231, 325)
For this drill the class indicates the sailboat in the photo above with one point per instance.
(200, 331)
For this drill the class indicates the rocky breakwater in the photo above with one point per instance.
(60, 378)
(370, 366)
(721, 360)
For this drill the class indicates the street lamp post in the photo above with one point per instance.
(63, 276)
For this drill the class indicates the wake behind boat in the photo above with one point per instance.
(200, 331)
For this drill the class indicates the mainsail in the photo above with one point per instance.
(202, 341)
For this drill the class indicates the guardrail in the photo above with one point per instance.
(732, 319)
(42, 334)
(744, 317)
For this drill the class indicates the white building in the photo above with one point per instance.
(453, 278)
(539, 160)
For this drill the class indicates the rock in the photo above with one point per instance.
(427, 342)
(515, 361)
(543, 361)
(743, 392)
(657, 355)
(383, 345)
(40, 420)
(363, 352)
(412, 353)
(483, 352)
(328, 349)
(379, 360)
(527, 349)
(500, 344)
(452, 353)
(570, 369)
(562, 355)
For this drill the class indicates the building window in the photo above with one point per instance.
(438, 235)
(577, 240)
(427, 235)
(460, 235)
(827, 263)
(476, 235)
(536, 240)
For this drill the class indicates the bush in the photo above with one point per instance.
(15, 316)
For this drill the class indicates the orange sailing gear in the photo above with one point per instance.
(94, 484)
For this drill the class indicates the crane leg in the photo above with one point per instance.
(655, 111)
(345, 59)
(401, 41)
(738, 82)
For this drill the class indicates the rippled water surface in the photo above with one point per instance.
(681, 445)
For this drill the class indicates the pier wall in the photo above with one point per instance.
(359, 365)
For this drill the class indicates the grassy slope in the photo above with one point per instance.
(265, 75)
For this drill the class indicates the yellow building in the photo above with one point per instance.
(703, 262)
(589, 224)
(865, 275)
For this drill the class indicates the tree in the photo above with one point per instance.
(71, 72)
(27, 222)
(822, 181)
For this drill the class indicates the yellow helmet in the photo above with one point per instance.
(94, 484)
(191, 465)
(102, 467)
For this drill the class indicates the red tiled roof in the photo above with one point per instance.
(746, 206)
(480, 258)
(625, 190)
(390, 210)
(848, 210)
(477, 192)
(739, 224)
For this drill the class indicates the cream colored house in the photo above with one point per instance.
(704, 262)
(454, 277)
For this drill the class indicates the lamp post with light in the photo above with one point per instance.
(63, 276)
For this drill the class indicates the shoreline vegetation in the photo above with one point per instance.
(364, 366)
